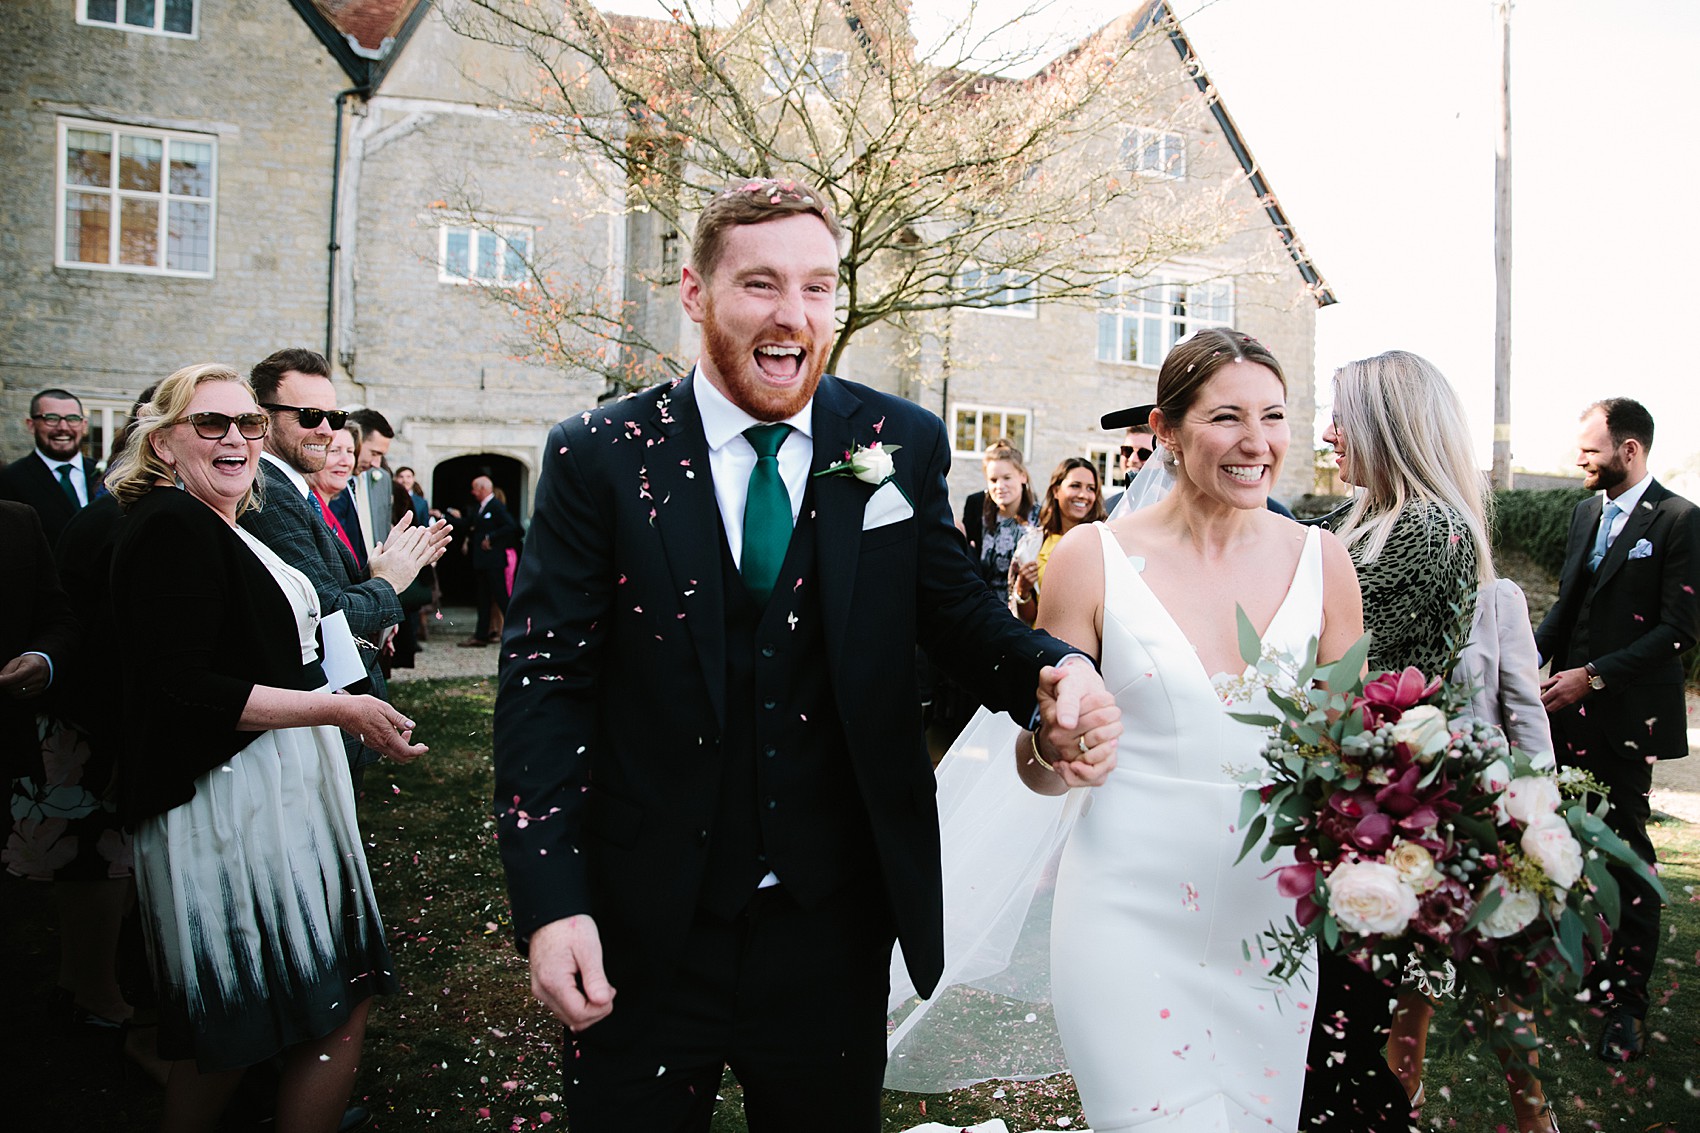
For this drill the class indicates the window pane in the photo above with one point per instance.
(1151, 341)
(139, 162)
(513, 258)
(138, 233)
(965, 430)
(188, 237)
(1130, 340)
(180, 16)
(1015, 428)
(1107, 337)
(139, 13)
(88, 228)
(191, 168)
(88, 158)
(457, 252)
(106, 11)
(486, 256)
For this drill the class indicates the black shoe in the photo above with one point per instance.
(354, 1117)
(1623, 1037)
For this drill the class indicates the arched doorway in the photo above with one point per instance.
(451, 487)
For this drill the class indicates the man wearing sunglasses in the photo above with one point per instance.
(57, 480)
(294, 387)
(1136, 447)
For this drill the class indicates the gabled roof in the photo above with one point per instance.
(364, 36)
(1159, 12)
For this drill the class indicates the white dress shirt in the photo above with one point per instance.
(1628, 500)
(295, 477)
(731, 458)
(78, 480)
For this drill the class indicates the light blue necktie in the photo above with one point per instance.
(767, 513)
(1603, 539)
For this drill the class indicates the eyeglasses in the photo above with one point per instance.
(215, 426)
(1129, 450)
(57, 418)
(310, 418)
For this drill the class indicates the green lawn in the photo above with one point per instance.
(464, 1046)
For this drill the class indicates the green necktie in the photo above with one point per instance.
(70, 488)
(767, 513)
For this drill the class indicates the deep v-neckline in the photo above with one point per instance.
(1175, 627)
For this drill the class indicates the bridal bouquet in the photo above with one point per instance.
(1422, 839)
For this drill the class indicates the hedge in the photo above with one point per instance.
(1537, 523)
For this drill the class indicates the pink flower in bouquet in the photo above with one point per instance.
(1354, 819)
(1387, 696)
(1298, 882)
(1370, 898)
(1401, 800)
(1442, 911)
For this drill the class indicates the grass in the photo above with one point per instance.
(465, 1047)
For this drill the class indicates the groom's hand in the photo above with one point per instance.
(1074, 706)
(566, 972)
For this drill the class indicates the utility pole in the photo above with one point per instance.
(1502, 256)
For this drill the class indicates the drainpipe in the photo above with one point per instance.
(334, 246)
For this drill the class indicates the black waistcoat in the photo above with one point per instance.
(788, 798)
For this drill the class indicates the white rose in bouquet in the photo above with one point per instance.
(1415, 865)
(1550, 845)
(1514, 913)
(872, 464)
(1369, 897)
(1423, 729)
(1496, 776)
(1531, 798)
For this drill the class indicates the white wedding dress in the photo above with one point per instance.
(1165, 1021)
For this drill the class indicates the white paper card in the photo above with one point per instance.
(341, 660)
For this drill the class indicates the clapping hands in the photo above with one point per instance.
(408, 550)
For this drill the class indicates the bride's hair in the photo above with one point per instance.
(1194, 360)
(1409, 443)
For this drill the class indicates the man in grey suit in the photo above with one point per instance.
(374, 490)
(1626, 612)
(294, 386)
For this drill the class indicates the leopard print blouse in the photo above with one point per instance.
(1427, 567)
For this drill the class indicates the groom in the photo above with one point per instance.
(714, 802)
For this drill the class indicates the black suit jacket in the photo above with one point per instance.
(35, 617)
(1632, 618)
(29, 482)
(612, 698)
(491, 520)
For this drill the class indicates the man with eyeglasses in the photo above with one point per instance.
(57, 480)
(294, 387)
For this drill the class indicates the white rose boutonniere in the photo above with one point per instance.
(871, 464)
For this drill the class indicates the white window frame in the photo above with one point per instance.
(108, 416)
(985, 436)
(781, 71)
(1164, 309)
(1108, 462)
(506, 235)
(158, 27)
(1138, 143)
(118, 195)
(1006, 283)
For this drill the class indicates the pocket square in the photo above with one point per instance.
(886, 506)
(1641, 550)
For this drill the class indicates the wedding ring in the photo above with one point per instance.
(1081, 743)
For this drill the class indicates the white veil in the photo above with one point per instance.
(990, 1017)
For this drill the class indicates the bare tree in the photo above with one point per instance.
(956, 186)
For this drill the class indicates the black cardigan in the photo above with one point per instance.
(201, 621)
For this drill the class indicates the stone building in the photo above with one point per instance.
(347, 174)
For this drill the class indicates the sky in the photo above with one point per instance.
(1374, 121)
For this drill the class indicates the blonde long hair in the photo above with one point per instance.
(1408, 441)
(138, 469)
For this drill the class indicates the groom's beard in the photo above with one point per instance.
(735, 362)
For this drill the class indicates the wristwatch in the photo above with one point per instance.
(1595, 681)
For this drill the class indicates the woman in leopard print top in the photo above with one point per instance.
(1417, 531)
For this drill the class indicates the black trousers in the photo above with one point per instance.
(1348, 1085)
(792, 999)
(1628, 964)
(492, 590)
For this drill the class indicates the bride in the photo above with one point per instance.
(1165, 1022)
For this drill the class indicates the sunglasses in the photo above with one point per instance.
(215, 426)
(56, 418)
(310, 418)
(1144, 453)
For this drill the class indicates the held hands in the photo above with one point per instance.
(1080, 723)
(380, 727)
(566, 972)
(24, 677)
(408, 550)
(1564, 688)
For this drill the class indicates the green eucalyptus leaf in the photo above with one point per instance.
(1253, 834)
(1491, 900)
(1251, 643)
